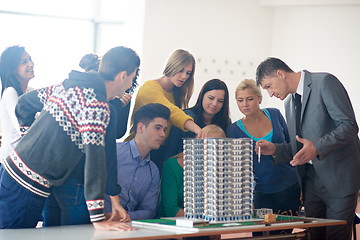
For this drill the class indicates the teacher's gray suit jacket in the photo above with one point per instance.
(328, 120)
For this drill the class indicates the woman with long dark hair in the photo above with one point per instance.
(212, 107)
(16, 70)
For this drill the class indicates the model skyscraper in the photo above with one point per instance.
(218, 179)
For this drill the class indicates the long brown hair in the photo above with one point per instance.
(222, 117)
(177, 61)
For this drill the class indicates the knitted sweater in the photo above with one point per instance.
(72, 124)
(152, 92)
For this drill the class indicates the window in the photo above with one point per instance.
(58, 33)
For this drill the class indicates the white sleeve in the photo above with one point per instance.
(9, 100)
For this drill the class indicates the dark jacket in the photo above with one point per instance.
(122, 113)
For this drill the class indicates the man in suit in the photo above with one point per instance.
(324, 144)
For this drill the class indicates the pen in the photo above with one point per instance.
(259, 154)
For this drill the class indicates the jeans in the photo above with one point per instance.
(66, 205)
(19, 208)
(1, 170)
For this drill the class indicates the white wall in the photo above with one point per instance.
(229, 38)
(321, 38)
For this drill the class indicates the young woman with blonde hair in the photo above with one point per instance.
(276, 186)
(172, 90)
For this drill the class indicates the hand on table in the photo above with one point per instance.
(108, 225)
(118, 212)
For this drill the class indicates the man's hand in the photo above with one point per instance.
(118, 212)
(266, 148)
(117, 216)
(112, 226)
(306, 153)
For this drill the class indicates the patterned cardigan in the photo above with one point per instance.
(71, 124)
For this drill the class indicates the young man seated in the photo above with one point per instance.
(138, 176)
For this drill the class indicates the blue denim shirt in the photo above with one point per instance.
(139, 180)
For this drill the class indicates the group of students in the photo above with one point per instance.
(63, 158)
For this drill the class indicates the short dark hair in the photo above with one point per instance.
(116, 60)
(268, 67)
(9, 61)
(91, 62)
(148, 112)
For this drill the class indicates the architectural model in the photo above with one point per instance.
(218, 179)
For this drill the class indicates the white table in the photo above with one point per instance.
(81, 232)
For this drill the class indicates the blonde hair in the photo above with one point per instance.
(177, 61)
(248, 84)
(213, 130)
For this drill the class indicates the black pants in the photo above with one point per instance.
(320, 203)
(286, 202)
